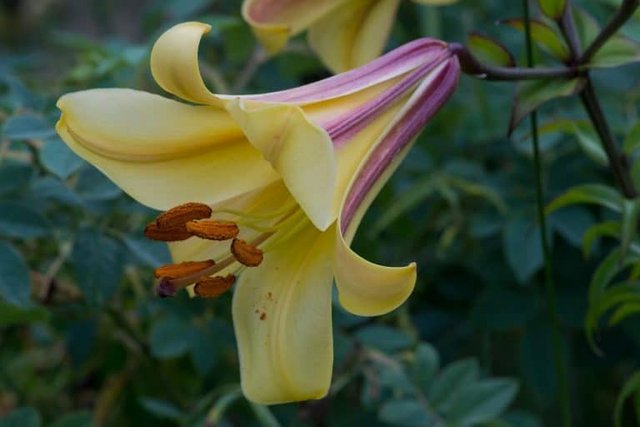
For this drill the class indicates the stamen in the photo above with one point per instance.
(165, 288)
(183, 281)
(182, 214)
(170, 234)
(211, 287)
(175, 271)
(213, 229)
(246, 253)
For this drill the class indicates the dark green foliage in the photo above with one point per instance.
(84, 341)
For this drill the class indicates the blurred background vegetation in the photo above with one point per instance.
(84, 341)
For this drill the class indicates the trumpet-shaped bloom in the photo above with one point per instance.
(344, 33)
(268, 189)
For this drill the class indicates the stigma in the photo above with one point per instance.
(211, 278)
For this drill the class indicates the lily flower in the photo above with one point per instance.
(265, 192)
(345, 34)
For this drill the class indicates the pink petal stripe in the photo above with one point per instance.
(345, 127)
(423, 106)
(393, 64)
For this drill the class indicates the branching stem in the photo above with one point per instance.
(626, 10)
(552, 305)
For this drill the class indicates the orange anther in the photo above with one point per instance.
(170, 234)
(211, 287)
(213, 229)
(246, 253)
(182, 214)
(175, 271)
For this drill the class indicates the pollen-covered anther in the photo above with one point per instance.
(168, 234)
(180, 215)
(246, 253)
(213, 229)
(175, 271)
(211, 287)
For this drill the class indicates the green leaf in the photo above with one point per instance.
(50, 189)
(544, 36)
(149, 253)
(15, 285)
(161, 408)
(632, 140)
(22, 417)
(571, 223)
(552, 8)
(407, 200)
(205, 349)
(590, 144)
(586, 26)
(451, 381)
(632, 385)
(597, 194)
(531, 95)
(170, 337)
(608, 269)
(14, 315)
(426, 363)
(478, 190)
(14, 177)
(629, 224)
(27, 126)
(602, 229)
(635, 173)
(523, 248)
(625, 310)
(617, 51)
(536, 356)
(264, 415)
(406, 413)
(59, 159)
(75, 419)
(501, 309)
(98, 264)
(94, 186)
(489, 51)
(482, 402)
(22, 221)
(384, 338)
(617, 296)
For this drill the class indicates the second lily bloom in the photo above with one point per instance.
(345, 34)
(293, 171)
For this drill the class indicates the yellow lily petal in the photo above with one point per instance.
(369, 289)
(365, 288)
(174, 63)
(160, 151)
(298, 149)
(353, 34)
(282, 320)
(274, 21)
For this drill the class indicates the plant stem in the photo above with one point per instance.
(568, 29)
(618, 162)
(552, 306)
(471, 65)
(627, 8)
